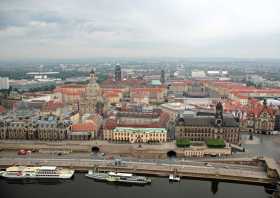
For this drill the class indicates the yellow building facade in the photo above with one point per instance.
(139, 135)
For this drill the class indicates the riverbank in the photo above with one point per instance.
(228, 171)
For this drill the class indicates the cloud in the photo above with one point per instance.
(233, 28)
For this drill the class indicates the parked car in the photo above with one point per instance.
(22, 152)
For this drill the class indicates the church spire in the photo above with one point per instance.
(92, 76)
(219, 110)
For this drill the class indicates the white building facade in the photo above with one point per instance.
(4, 83)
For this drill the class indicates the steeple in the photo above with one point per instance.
(265, 102)
(118, 73)
(92, 76)
(219, 114)
(219, 110)
(162, 76)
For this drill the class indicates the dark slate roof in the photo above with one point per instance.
(230, 122)
(205, 113)
(204, 121)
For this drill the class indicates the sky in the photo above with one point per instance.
(55, 29)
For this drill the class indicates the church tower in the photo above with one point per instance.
(219, 114)
(118, 73)
(92, 96)
(92, 76)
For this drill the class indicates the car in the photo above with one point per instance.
(110, 157)
(22, 152)
(208, 165)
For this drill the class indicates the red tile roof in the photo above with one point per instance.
(181, 82)
(164, 118)
(2, 109)
(84, 127)
(148, 90)
(241, 88)
(257, 109)
(111, 123)
(52, 105)
(77, 90)
(111, 94)
(113, 90)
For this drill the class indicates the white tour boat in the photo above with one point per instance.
(41, 172)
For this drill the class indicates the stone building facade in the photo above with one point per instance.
(34, 128)
(137, 120)
(261, 119)
(139, 135)
(199, 127)
(52, 128)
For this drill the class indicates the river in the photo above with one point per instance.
(81, 187)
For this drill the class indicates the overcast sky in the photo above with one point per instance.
(139, 28)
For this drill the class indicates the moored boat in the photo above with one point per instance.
(114, 177)
(41, 172)
(173, 177)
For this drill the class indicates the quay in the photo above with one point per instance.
(265, 171)
(157, 151)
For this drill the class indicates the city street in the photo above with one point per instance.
(101, 156)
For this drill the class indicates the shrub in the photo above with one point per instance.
(215, 143)
(183, 143)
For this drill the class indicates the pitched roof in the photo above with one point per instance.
(84, 127)
(110, 83)
(52, 105)
(155, 82)
(207, 121)
(110, 124)
(2, 109)
(258, 109)
(241, 88)
(181, 82)
(111, 94)
(147, 90)
(71, 89)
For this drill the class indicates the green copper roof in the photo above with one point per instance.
(140, 130)
(155, 82)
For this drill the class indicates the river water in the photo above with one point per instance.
(82, 187)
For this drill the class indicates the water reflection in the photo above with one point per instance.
(160, 187)
(214, 187)
(35, 181)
